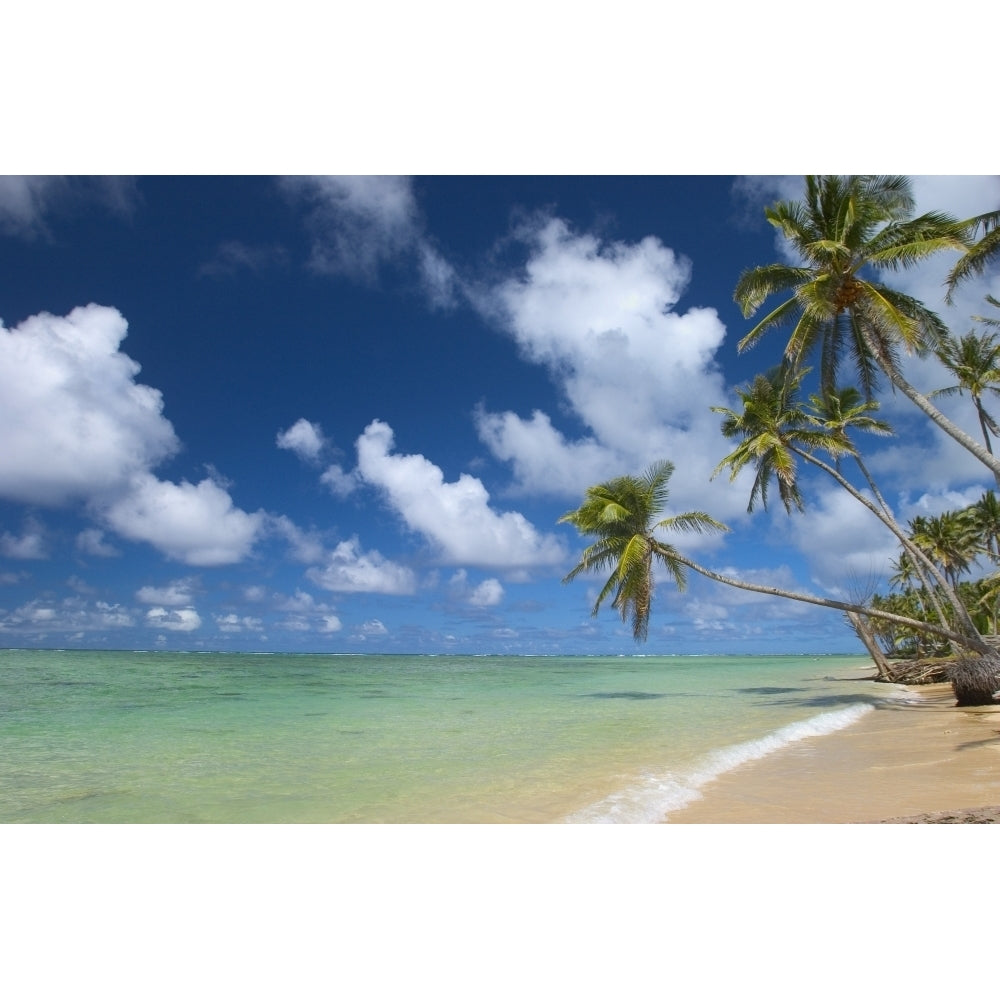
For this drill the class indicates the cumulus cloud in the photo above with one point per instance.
(174, 619)
(340, 483)
(456, 518)
(67, 392)
(304, 438)
(487, 594)
(233, 623)
(348, 569)
(638, 374)
(40, 617)
(194, 524)
(78, 427)
(373, 629)
(178, 593)
(360, 224)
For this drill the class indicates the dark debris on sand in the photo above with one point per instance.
(985, 814)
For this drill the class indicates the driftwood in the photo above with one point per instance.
(927, 671)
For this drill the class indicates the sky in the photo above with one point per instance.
(345, 414)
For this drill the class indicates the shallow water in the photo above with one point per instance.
(126, 737)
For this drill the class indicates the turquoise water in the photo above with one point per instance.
(126, 737)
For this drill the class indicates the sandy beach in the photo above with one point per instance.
(921, 760)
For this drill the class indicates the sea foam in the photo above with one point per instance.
(652, 796)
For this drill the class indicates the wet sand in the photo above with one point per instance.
(922, 760)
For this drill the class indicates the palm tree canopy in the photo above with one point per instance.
(770, 427)
(624, 515)
(844, 229)
(981, 254)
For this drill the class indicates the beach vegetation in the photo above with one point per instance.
(624, 516)
(842, 237)
(843, 233)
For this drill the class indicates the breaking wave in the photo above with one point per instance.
(652, 797)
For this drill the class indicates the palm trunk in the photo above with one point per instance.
(930, 410)
(973, 642)
(868, 640)
(915, 552)
(986, 434)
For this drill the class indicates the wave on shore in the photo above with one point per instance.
(653, 796)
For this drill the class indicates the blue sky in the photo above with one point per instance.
(345, 414)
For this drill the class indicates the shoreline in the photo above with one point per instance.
(916, 760)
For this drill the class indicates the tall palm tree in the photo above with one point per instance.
(974, 360)
(624, 514)
(845, 229)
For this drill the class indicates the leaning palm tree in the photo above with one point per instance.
(974, 361)
(773, 430)
(624, 514)
(845, 229)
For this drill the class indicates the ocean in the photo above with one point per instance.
(163, 737)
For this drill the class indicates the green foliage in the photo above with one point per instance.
(623, 514)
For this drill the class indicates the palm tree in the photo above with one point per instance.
(974, 360)
(845, 228)
(951, 540)
(623, 513)
(773, 430)
(982, 253)
(986, 516)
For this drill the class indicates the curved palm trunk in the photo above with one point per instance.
(917, 554)
(975, 642)
(930, 410)
(981, 413)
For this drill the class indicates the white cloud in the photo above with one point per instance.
(306, 546)
(331, 624)
(174, 620)
(640, 376)
(73, 614)
(29, 545)
(487, 594)
(455, 517)
(304, 438)
(194, 524)
(232, 623)
(349, 570)
(357, 222)
(29, 204)
(360, 224)
(845, 544)
(340, 483)
(91, 541)
(372, 629)
(69, 394)
(175, 594)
